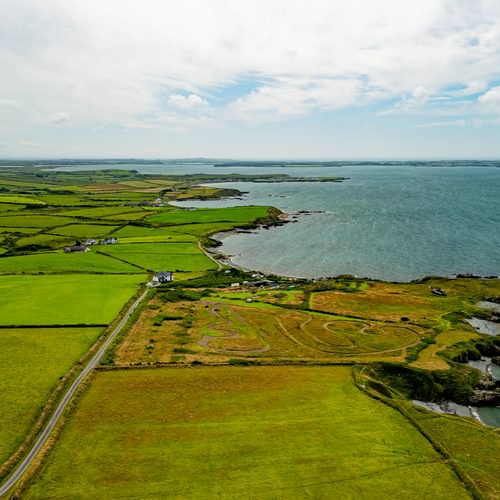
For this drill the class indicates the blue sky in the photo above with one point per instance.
(240, 79)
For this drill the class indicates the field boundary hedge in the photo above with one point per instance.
(465, 479)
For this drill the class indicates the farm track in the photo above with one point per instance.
(210, 256)
(49, 427)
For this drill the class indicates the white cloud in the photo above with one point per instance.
(490, 101)
(415, 100)
(57, 118)
(191, 101)
(288, 98)
(115, 61)
(450, 123)
(470, 88)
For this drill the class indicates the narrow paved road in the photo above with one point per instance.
(210, 256)
(42, 438)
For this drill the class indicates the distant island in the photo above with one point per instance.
(62, 162)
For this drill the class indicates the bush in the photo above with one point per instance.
(455, 384)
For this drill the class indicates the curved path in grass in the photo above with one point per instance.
(231, 334)
(342, 353)
(49, 427)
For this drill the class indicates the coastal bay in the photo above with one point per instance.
(390, 223)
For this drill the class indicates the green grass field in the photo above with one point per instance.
(85, 230)
(46, 355)
(65, 200)
(472, 445)
(209, 215)
(64, 299)
(199, 230)
(45, 240)
(161, 256)
(10, 207)
(97, 212)
(267, 432)
(40, 221)
(166, 238)
(23, 200)
(22, 230)
(137, 231)
(128, 216)
(59, 262)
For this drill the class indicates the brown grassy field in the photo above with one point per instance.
(429, 358)
(391, 301)
(213, 330)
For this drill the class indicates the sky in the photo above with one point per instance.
(289, 79)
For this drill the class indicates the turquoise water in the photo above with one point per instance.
(391, 223)
(490, 415)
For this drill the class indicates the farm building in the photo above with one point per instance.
(108, 241)
(90, 241)
(75, 248)
(163, 277)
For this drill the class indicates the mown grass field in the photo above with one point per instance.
(128, 216)
(64, 299)
(39, 221)
(199, 230)
(21, 230)
(59, 262)
(85, 230)
(31, 362)
(23, 200)
(209, 215)
(140, 231)
(10, 207)
(166, 238)
(265, 432)
(161, 256)
(48, 240)
(65, 200)
(104, 212)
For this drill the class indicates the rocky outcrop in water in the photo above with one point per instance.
(486, 393)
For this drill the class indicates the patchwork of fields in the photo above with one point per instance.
(161, 256)
(278, 431)
(51, 302)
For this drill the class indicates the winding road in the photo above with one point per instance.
(49, 427)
